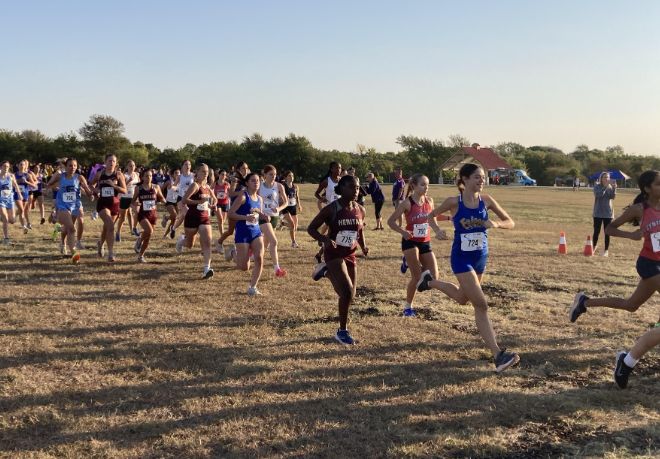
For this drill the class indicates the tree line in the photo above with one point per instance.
(103, 134)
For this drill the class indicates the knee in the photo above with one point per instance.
(463, 300)
(481, 306)
(347, 295)
(632, 307)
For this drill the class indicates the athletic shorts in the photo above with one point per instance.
(243, 235)
(37, 194)
(168, 203)
(7, 204)
(647, 268)
(395, 202)
(291, 210)
(462, 262)
(273, 220)
(423, 247)
(223, 207)
(113, 207)
(194, 220)
(125, 203)
(149, 216)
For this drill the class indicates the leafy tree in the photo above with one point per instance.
(103, 135)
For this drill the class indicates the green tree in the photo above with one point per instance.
(103, 135)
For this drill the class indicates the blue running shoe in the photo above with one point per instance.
(409, 312)
(344, 337)
(505, 360)
(117, 237)
(404, 265)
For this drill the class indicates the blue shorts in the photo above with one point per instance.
(647, 268)
(462, 262)
(245, 234)
(7, 203)
(75, 210)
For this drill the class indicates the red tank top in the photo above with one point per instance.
(201, 210)
(108, 194)
(345, 230)
(147, 201)
(650, 226)
(222, 193)
(417, 220)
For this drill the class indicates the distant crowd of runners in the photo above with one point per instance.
(251, 206)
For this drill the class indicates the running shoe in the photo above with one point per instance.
(344, 337)
(578, 308)
(141, 259)
(280, 272)
(294, 245)
(29, 226)
(62, 251)
(253, 291)
(75, 258)
(230, 252)
(219, 248)
(404, 265)
(99, 249)
(505, 360)
(621, 370)
(25, 229)
(43, 220)
(208, 273)
(606, 253)
(6, 241)
(163, 222)
(409, 312)
(179, 243)
(135, 232)
(95, 215)
(172, 233)
(79, 245)
(138, 245)
(423, 283)
(320, 270)
(117, 237)
(111, 258)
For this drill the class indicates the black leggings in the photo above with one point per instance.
(597, 222)
(378, 206)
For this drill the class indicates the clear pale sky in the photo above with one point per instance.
(341, 73)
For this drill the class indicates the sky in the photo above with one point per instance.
(341, 73)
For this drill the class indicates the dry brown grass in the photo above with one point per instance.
(132, 360)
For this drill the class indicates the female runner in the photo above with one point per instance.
(145, 197)
(109, 184)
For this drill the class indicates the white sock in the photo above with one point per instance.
(276, 267)
(630, 360)
(407, 305)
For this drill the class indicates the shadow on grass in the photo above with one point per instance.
(363, 409)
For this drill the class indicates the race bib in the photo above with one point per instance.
(420, 229)
(655, 241)
(221, 195)
(255, 223)
(69, 197)
(172, 195)
(292, 202)
(148, 205)
(203, 207)
(107, 192)
(5, 193)
(472, 241)
(346, 238)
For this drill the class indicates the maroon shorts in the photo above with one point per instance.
(347, 255)
(149, 216)
(195, 219)
(111, 204)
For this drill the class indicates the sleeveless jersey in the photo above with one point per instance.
(147, 200)
(22, 184)
(470, 233)
(246, 209)
(650, 226)
(345, 230)
(172, 194)
(292, 201)
(68, 196)
(417, 220)
(107, 193)
(222, 193)
(330, 194)
(271, 198)
(184, 183)
(132, 180)
(6, 190)
(200, 210)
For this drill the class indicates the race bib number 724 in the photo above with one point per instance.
(472, 241)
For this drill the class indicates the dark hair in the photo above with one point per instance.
(330, 166)
(249, 176)
(237, 167)
(109, 155)
(645, 180)
(466, 171)
(68, 160)
(144, 171)
(173, 170)
(186, 161)
(342, 181)
(413, 180)
(267, 168)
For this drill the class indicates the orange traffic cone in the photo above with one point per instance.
(588, 248)
(562, 250)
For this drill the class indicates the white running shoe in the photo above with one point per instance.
(163, 222)
(253, 291)
(179, 243)
(230, 252)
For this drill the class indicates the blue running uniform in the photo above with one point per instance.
(23, 186)
(469, 252)
(68, 196)
(6, 193)
(245, 232)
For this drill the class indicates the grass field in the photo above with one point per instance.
(130, 360)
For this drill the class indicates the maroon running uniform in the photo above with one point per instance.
(198, 214)
(108, 195)
(345, 229)
(147, 200)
